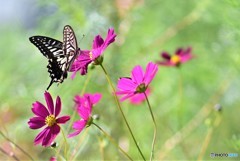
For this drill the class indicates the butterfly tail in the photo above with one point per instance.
(50, 84)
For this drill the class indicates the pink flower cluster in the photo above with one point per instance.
(135, 88)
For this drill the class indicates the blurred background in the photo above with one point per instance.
(184, 100)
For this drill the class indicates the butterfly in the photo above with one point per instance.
(60, 55)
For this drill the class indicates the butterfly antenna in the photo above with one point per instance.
(50, 84)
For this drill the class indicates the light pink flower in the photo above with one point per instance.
(94, 55)
(138, 98)
(84, 108)
(180, 56)
(47, 116)
(139, 81)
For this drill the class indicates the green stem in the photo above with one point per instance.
(180, 110)
(113, 141)
(121, 111)
(155, 127)
(5, 137)
(66, 145)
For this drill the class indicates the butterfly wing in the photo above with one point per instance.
(60, 55)
(52, 50)
(70, 47)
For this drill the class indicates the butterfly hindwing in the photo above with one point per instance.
(70, 47)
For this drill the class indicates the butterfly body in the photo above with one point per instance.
(60, 55)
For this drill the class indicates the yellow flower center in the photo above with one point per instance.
(175, 59)
(50, 120)
(91, 55)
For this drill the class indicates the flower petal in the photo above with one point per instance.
(40, 136)
(109, 39)
(85, 110)
(63, 119)
(150, 73)
(166, 63)
(50, 135)
(126, 84)
(78, 126)
(127, 96)
(49, 102)
(81, 63)
(137, 74)
(166, 56)
(94, 98)
(97, 42)
(179, 51)
(36, 122)
(58, 106)
(39, 109)
(99, 45)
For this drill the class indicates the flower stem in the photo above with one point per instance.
(113, 141)
(21, 149)
(66, 145)
(121, 111)
(155, 127)
(179, 108)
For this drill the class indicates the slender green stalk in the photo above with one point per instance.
(179, 109)
(155, 128)
(121, 111)
(113, 141)
(101, 148)
(66, 145)
(21, 149)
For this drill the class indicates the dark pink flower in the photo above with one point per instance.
(180, 56)
(139, 81)
(84, 108)
(138, 98)
(94, 55)
(48, 117)
(53, 159)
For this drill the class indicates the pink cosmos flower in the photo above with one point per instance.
(180, 56)
(48, 117)
(94, 55)
(53, 159)
(139, 97)
(138, 83)
(84, 108)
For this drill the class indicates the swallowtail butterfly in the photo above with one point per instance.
(60, 55)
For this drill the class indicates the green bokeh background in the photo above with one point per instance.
(144, 29)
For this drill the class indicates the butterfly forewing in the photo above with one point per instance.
(49, 47)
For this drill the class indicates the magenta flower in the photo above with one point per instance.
(94, 55)
(139, 81)
(53, 159)
(180, 56)
(138, 98)
(84, 108)
(47, 117)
